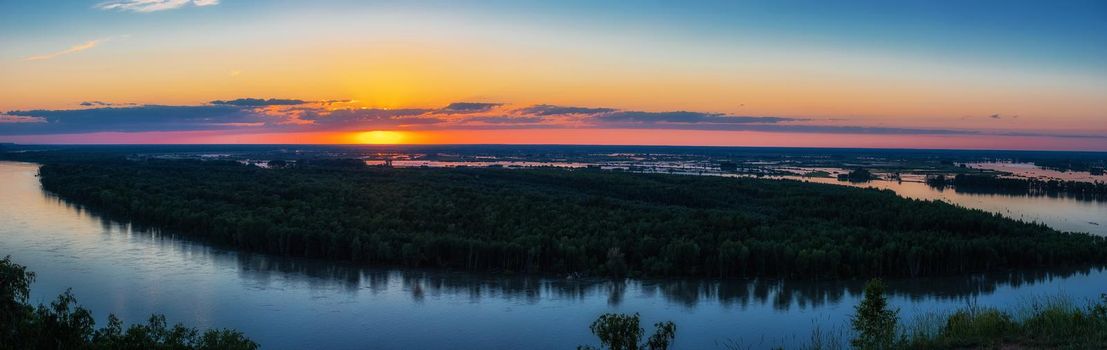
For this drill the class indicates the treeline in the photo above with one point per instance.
(563, 221)
(857, 175)
(1092, 166)
(1024, 186)
(64, 324)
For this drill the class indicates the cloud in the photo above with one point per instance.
(4, 118)
(834, 129)
(257, 102)
(469, 107)
(74, 49)
(129, 119)
(996, 116)
(356, 118)
(152, 5)
(104, 104)
(507, 120)
(544, 110)
(258, 115)
(682, 117)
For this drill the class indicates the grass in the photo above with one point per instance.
(1040, 323)
(1047, 323)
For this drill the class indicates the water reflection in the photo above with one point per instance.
(1059, 212)
(295, 303)
(268, 271)
(783, 295)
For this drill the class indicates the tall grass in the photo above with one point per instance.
(1048, 322)
(1054, 322)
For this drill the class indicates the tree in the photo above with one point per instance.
(873, 321)
(64, 324)
(15, 283)
(622, 332)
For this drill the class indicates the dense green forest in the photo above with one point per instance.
(562, 221)
(1023, 186)
(64, 324)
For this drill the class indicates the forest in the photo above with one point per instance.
(1022, 186)
(557, 221)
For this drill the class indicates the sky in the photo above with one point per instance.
(851, 73)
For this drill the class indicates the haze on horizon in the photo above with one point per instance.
(859, 73)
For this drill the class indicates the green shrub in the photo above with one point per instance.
(622, 332)
(874, 322)
(971, 327)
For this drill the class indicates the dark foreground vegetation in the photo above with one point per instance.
(623, 332)
(1052, 324)
(66, 325)
(560, 221)
(1020, 186)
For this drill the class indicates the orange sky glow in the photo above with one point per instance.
(588, 137)
(692, 75)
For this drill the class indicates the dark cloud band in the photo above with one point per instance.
(293, 115)
(258, 102)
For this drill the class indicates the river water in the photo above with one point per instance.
(286, 303)
(1061, 213)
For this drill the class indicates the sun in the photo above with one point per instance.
(380, 137)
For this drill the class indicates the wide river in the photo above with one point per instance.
(288, 303)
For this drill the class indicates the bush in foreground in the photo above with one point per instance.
(1049, 324)
(622, 332)
(64, 324)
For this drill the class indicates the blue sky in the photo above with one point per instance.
(1057, 34)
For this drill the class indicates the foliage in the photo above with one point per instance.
(874, 322)
(1022, 186)
(15, 288)
(64, 324)
(857, 175)
(978, 327)
(1052, 325)
(563, 221)
(622, 332)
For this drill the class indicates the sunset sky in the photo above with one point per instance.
(911, 74)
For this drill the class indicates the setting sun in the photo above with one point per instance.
(381, 137)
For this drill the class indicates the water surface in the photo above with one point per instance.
(1059, 212)
(286, 303)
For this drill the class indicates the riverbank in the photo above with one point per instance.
(558, 221)
(295, 303)
(1042, 322)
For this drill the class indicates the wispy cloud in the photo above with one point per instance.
(469, 107)
(74, 49)
(4, 118)
(258, 102)
(544, 110)
(152, 5)
(104, 104)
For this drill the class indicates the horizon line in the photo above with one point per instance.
(554, 144)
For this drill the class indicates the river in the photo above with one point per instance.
(286, 303)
